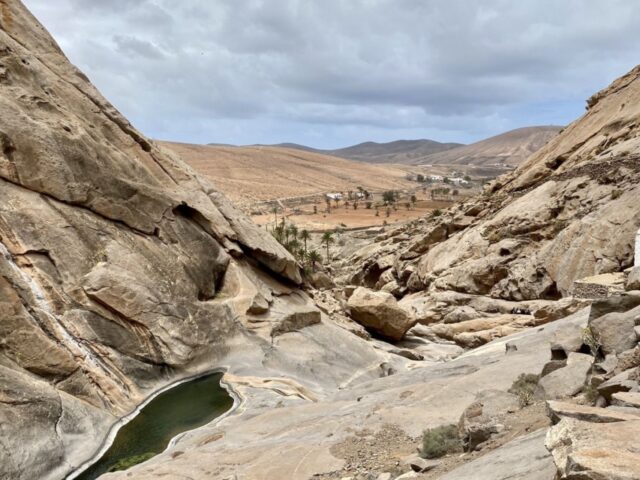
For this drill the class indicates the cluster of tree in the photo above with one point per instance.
(443, 192)
(389, 197)
(296, 242)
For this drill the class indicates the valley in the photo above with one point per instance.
(185, 311)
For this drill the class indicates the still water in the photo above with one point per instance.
(184, 407)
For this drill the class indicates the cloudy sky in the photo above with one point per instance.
(330, 73)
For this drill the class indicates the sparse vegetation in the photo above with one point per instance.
(524, 388)
(440, 441)
(129, 462)
(389, 197)
(590, 393)
(615, 194)
(591, 340)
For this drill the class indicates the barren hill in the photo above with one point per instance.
(399, 151)
(249, 174)
(510, 148)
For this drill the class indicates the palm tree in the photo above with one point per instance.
(293, 246)
(277, 232)
(293, 231)
(327, 239)
(314, 257)
(305, 236)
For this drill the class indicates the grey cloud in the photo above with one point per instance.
(343, 71)
(129, 45)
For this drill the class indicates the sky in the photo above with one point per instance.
(332, 73)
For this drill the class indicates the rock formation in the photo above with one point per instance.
(122, 271)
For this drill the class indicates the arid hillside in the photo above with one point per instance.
(250, 174)
(399, 151)
(509, 148)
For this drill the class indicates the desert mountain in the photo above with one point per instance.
(399, 151)
(510, 148)
(250, 174)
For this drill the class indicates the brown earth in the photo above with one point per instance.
(509, 148)
(252, 174)
(342, 217)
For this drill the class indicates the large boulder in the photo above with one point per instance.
(615, 331)
(523, 458)
(586, 450)
(485, 417)
(633, 280)
(379, 312)
(569, 380)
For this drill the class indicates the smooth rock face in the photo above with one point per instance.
(567, 381)
(626, 399)
(560, 410)
(113, 259)
(615, 331)
(585, 450)
(380, 312)
(633, 280)
(524, 458)
(304, 438)
(484, 416)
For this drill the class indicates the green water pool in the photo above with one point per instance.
(181, 408)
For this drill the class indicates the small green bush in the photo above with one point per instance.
(439, 441)
(615, 194)
(524, 388)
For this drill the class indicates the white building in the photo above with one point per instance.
(459, 181)
(436, 178)
(334, 196)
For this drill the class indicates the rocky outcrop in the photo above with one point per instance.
(595, 450)
(568, 214)
(379, 312)
(121, 270)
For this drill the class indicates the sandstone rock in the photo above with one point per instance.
(626, 360)
(615, 331)
(633, 280)
(393, 288)
(569, 380)
(615, 304)
(626, 399)
(552, 366)
(408, 476)
(623, 382)
(419, 464)
(484, 417)
(595, 450)
(560, 410)
(524, 458)
(567, 340)
(562, 308)
(321, 280)
(460, 314)
(379, 312)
